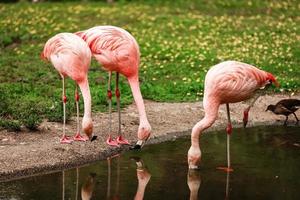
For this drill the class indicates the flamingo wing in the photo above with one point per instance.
(233, 81)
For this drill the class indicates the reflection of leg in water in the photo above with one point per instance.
(108, 196)
(116, 195)
(227, 185)
(77, 183)
(88, 187)
(143, 177)
(194, 182)
(63, 185)
(108, 177)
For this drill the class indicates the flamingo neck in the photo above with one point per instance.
(211, 114)
(136, 92)
(85, 91)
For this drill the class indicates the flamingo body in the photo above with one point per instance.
(71, 57)
(114, 48)
(117, 51)
(227, 82)
(232, 81)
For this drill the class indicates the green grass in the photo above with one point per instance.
(178, 42)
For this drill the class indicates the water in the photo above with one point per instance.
(266, 165)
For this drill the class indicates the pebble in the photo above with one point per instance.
(4, 140)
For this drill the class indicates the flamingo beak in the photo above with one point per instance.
(245, 122)
(93, 137)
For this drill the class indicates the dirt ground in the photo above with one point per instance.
(29, 153)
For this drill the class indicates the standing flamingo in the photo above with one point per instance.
(71, 57)
(227, 82)
(116, 50)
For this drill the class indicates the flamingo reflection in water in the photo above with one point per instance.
(194, 183)
(116, 194)
(143, 176)
(88, 187)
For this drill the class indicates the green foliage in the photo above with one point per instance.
(29, 113)
(10, 125)
(54, 113)
(179, 41)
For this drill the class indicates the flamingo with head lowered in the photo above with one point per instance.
(227, 82)
(117, 51)
(71, 57)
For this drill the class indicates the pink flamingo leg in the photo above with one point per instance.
(64, 139)
(109, 140)
(120, 138)
(78, 136)
(229, 131)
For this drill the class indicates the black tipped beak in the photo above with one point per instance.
(93, 138)
(245, 124)
(135, 147)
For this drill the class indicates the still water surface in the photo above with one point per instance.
(266, 162)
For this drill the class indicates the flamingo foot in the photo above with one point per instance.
(226, 169)
(79, 137)
(66, 140)
(111, 142)
(139, 144)
(122, 140)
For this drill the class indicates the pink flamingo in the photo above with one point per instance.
(227, 82)
(71, 57)
(116, 50)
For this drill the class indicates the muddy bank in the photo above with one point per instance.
(30, 153)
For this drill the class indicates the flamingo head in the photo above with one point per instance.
(87, 126)
(194, 157)
(272, 79)
(144, 131)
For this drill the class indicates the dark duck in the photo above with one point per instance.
(285, 107)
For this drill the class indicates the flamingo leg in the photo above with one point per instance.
(120, 138)
(78, 136)
(64, 139)
(246, 111)
(259, 93)
(229, 131)
(109, 140)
